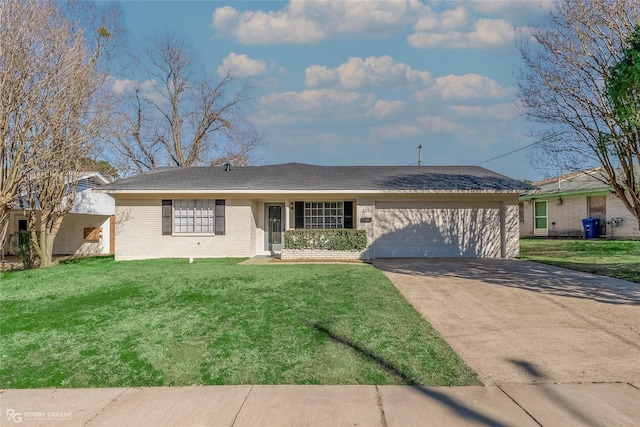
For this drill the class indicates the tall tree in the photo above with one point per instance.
(176, 116)
(568, 69)
(52, 113)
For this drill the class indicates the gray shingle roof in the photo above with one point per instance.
(303, 177)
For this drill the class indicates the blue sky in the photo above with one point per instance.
(366, 82)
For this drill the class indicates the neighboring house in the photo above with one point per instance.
(557, 207)
(86, 230)
(419, 211)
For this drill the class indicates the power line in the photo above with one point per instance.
(506, 154)
(545, 138)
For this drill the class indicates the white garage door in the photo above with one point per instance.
(436, 229)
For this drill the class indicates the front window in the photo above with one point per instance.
(194, 216)
(324, 215)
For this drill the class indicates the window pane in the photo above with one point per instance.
(541, 222)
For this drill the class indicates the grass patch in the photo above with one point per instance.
(98, 323)
(620, 259)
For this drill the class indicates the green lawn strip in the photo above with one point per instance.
(98, 323)
(620, 259)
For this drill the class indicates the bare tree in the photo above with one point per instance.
(564, 86)
(52, 112)
(178, 117)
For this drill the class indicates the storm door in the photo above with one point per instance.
(275, 228)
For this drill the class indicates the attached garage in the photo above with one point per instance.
(439, 229)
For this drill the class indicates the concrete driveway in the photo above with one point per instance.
(520, 322)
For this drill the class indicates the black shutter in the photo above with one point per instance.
(348, 214)
(299, 214)
(166, 217)
(219, 224)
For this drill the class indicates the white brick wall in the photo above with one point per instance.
(628, 228)
(567, 215)
(294, 254)
(139, 233)
(568, 218)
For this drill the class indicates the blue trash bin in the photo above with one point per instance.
(591, 227)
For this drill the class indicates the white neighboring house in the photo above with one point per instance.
(557, 206)
(87, 230)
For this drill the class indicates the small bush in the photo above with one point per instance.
(332, 240)
(24, 249)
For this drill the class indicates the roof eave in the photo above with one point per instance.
(298, 191)
(593, 192)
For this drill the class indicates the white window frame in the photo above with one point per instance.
(194, 216)
(323, 215)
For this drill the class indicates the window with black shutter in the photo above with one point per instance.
(220, 207)
(299, 211)
(348, 214)
(166, 217)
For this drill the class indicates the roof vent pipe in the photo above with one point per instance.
(227, 167)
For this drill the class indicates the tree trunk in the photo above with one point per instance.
(46, 249)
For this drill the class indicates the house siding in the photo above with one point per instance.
(70, 238)
(139, 233)
(565, 220)
(628, 227)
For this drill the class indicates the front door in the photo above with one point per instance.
(275, 230)
(540, 218)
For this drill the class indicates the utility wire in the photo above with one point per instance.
(506, 154)
(544, 139)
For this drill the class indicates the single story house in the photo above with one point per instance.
(86, 230)
(557, 206)
(242, 211)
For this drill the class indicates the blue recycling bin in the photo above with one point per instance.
(591, 227)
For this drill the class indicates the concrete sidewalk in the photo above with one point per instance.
(246, 405)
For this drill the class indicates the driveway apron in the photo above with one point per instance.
(520, 322)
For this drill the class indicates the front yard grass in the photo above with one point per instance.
(612, 258)
(98, 323)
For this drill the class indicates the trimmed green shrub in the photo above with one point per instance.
(332, 240)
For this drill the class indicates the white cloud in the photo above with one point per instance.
(384, 108)
(467, 86)
(519, 12)
(419, 126)
(503, 111)
(321, 101)
(483, 33)
(397, 131)
(241, 66)
(311, 21)
(124, 86)
(373, 71)
(436, 124)
(476, 25)
(331, 104)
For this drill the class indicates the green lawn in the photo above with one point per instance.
(98, 323)
(613, 258)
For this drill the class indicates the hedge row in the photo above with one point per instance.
(332, 240)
